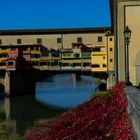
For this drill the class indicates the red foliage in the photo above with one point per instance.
(98, 119)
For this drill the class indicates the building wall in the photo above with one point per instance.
(133, 20)
(89, 39)
(110, 52)
(50, 40)
(98, 60)
(128, 15)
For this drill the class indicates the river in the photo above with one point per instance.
(54, 95)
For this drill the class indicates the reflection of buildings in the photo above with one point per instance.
(22, 112)
(126, 13)
(7, 126)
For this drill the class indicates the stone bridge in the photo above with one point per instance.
(18, 82)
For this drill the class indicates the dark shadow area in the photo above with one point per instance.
(29, 110)
(101, 75)
(102, 87)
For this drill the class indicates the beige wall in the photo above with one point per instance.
(128, 15)
(89, 39)
(133, 21)
(50, 40)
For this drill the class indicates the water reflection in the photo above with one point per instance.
(53, 95)
(64, 91)
(26, 111)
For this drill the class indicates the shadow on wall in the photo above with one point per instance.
(137, 68)
(1, 90)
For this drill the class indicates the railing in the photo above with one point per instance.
(133, 97)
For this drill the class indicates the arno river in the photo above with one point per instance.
(54, 95)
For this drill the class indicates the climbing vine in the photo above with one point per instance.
(97, 119)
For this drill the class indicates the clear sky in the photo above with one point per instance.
(39, 14)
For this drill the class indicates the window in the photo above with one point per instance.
(79, 39)
(95, 66)
(96, 49)
(45, 53)
(3, 48)
(32, 48)
(67, 55)
(13, 49)
(66, 64)
(111, 60)
(25, 49)
(10, 63)
(19, 41)
(26, 55)
(35, 56)
(111, 49)
(2, 63)
(110, 39)
(43, 63)
(76, 55)
(34, 63)
(4, 55)
(39, 40)
(36, 48)
(59, 40)
(48, 63)
(12, 55)
(86, 64)
(100, 39)
(55, 54)
(103, 57)
(55, 63)
(76, 64)
(86, 55)
(0, 41)
(104, 65)
(64, 55)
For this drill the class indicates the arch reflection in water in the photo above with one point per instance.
(64, 91)
(24, 111)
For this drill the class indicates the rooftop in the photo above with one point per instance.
(54, 31)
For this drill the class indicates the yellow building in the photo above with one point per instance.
(102, 57)
(99, 59)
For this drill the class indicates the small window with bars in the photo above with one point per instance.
(111, 49)
(39, 40)
(100, 39)
(59, 40)
(0, 41)
(110, 39)
(19, 41)
(79, 39)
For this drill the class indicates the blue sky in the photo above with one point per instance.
(39, 14)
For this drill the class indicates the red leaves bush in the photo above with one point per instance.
(97, 119)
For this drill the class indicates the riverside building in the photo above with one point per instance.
(60, 49)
